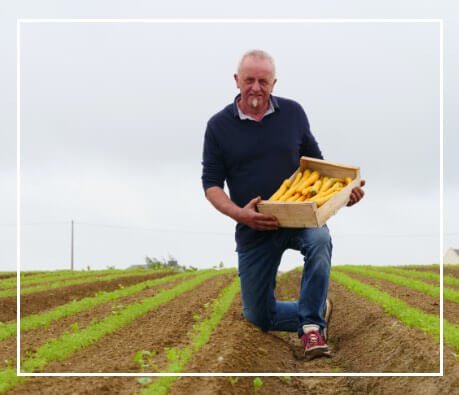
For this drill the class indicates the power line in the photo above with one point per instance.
(171, 230)
(154, 229)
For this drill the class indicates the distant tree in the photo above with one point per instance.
(111, 268)
(153, 264)
(170, 263)
(221, 265)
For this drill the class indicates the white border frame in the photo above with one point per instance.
(20, 21)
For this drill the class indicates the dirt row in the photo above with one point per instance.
(45, 300)
(31, 340)
(427, 303)
(7, 275)
(166, 326)
(363, 339)
(13, 274)
(77, 276)
(450, 270)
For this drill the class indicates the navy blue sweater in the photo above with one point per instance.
(255, 157)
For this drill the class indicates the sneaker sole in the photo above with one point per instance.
(317, 353)
(327, 316)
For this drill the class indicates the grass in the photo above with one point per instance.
(178, 358)
(68, 282)
(408, 315)
(448, 280)
(63, 347)
(428, 289)
(57, 275)
(44, 319)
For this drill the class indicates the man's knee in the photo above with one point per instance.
(322, 237)
(257, 318)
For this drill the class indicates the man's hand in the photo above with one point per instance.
(246, 215)
(249, 216)
(356, 194)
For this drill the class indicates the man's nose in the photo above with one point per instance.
(256, 86)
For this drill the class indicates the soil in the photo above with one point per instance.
(44, 300)
(450, 270)
(362, 339)
(414, 298)
(32, 339)
(44, 282)
(166, 326)
(7, 275)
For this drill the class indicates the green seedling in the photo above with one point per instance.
(8, 363)
(196, 317)
(173, 354)
(233, 380)
(257, 384)
(145, 359)
(75, 327)
(144, 381)
(286, 379)
(117, 308)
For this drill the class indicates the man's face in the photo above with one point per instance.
(255, 81)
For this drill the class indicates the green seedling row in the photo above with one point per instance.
(68, 282)
(202, 332)
(44, 319)
(408, 315)
(60, 275)
(63, 347)
(428, 289)
(448, 280)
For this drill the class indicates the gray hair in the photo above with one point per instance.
(259, 54)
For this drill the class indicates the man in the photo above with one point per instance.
(253, 144)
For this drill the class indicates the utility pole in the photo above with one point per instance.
(71, 247)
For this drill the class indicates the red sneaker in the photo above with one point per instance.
(313, 342)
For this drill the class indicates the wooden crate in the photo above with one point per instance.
(307, 214)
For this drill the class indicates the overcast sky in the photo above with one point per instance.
(113, 117)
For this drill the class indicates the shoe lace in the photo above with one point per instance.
(312, 338)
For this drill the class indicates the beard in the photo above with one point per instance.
(254, 102)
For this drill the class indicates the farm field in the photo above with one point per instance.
(385, 319)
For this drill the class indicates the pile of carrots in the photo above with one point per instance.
(309, 186)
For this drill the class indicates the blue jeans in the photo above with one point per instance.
(258, 269)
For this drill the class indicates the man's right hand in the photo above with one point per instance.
(249, 216)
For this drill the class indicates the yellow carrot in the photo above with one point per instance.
(316, 187)
(294, 197)
(290, 192)
(297, 179)
(306, 174)
(309, 181)
(327, 185)
(306, 191)
(281, 190)
(322, 200)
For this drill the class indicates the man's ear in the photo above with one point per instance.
(236, 78)
(274, 83)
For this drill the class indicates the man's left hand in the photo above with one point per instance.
(356, 194)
